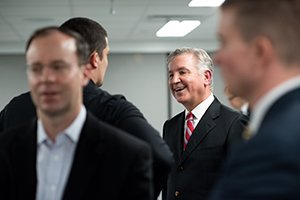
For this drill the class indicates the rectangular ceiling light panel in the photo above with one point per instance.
(205, 3)
(175, 28)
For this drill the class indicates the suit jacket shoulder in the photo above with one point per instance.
(19, 110)
(269, 162)
(228, 120)
(110, 108)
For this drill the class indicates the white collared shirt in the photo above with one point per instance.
(54, 159)
(244, 109)
(200, 110)
(263, 105)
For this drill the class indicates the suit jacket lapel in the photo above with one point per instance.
(24, 155)
(179, 127)
(86, 161)
(203, 128)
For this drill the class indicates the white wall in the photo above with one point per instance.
(13, 80)
(142, 78)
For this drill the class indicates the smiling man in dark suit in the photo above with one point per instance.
(66, 153)
(201, 135)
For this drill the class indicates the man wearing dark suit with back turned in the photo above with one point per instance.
(66, 153)
(113, 109)
(200, 136)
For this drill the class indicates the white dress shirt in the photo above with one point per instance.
(54, 159)
(200, 110)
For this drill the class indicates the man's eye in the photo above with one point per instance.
(35, 68)
(57, 67)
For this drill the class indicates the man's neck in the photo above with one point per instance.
(55, 124)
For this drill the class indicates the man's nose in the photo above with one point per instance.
(48, 74)
(175, 79)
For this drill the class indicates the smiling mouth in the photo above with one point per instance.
(179, 89)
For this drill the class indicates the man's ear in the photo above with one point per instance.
(207, 77)
(263, 50)
(94, 60)
(86, 73)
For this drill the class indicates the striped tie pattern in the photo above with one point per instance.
(189, 129)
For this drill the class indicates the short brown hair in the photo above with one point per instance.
(81, 46)
(277, 20)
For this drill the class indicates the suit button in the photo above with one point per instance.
(177, 194)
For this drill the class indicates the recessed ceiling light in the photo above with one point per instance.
(174, 28)
(205, 3)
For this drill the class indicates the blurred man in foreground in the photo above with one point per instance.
(259, 58)
(66, 153)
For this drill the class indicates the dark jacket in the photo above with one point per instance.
(267, 166)
(108, 164)
(197, 168)
(113, 109)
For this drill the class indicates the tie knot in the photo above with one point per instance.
(190, 116)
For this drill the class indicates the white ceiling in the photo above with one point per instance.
(131, 29)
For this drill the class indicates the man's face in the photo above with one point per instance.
(187, 85)
(54, 75)
(235, 57)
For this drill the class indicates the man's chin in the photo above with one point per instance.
(180, 99)
(51, 111)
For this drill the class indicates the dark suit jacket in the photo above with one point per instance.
(266, 167)
(113, 109)
(197, 168)
(108, 164)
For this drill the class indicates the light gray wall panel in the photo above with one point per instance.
(142, 78)
(13, 80)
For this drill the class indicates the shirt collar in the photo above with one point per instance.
(73, 131)
(262, 106)
(245, 108)
(199, 110)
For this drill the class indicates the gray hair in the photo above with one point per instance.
(204, 60)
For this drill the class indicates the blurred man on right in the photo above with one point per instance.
(260, 61)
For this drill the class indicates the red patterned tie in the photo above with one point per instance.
(189, 129)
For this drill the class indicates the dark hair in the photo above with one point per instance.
(94, 34)
(277, 20)
(81, 46)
